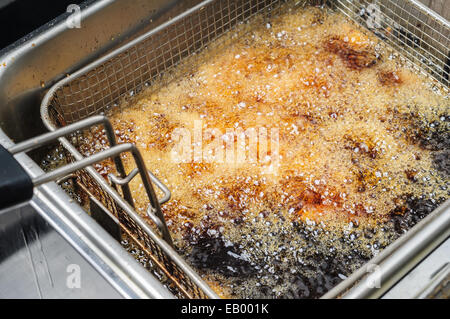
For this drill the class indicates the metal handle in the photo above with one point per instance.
(151, 211)
(101, 156)
(122, 181)
(113, 152)
(47, 138)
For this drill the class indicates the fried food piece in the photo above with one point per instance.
(355, 49)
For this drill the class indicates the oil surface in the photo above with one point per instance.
(363, 153)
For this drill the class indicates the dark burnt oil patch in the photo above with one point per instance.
(435, 136)
(442, 162)
(281, 259)
(286, 260)
(411, 210)
(430, 134)
(221, 256)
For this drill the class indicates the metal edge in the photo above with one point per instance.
(430, 12)
(94, 64)
(107, 256)
(397, 259)
(50, 29)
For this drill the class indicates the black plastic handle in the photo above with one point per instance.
(15, 184)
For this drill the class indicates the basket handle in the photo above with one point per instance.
(113, 152)
(152, 213)
(123, 181)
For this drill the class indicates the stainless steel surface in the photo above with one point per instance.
(439, 286)
(425, 277)
(4, 3)
(36, 262)
(114, 152)
(28, 69)
(78, 230)
(96, 246)
(107, 256)
(162, 187)
(98, 157)
(156, 249)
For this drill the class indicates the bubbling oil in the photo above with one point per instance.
(363, 145)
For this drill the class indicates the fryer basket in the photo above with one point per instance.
(420, 35)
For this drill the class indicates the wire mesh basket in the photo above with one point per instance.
(420, 35)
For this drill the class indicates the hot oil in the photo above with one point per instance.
(363, 143)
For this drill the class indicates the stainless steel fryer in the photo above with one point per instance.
(421, 35)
